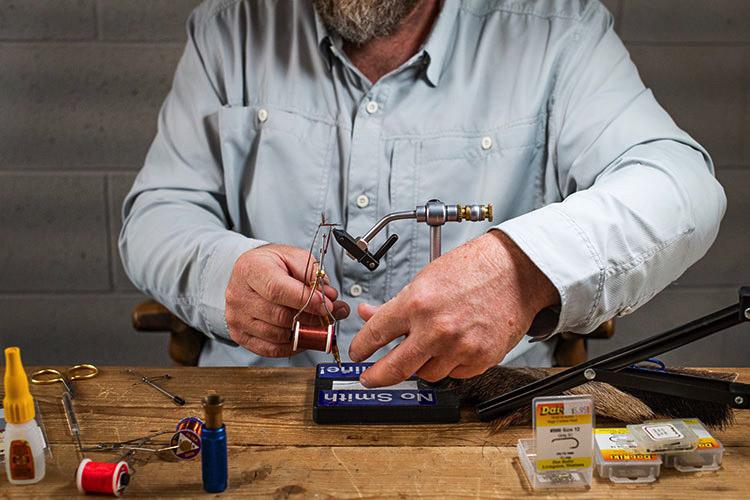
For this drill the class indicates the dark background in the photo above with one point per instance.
(81, 82)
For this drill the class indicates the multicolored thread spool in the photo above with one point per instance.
(105, 478)
(187, 438)
(315, 338)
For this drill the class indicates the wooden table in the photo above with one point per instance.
(277, 451)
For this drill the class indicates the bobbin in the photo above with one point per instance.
(314, 338)
(102, 477)
(186, 441)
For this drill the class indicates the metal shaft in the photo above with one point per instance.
(435, 233)
(68, 385)
(174, 397)
(70, 416)
(408, 214)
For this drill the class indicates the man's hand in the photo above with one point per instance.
(265, 292)
(461, 314)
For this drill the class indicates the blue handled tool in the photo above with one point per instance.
(214, 452)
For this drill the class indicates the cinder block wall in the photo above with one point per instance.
(81, 82)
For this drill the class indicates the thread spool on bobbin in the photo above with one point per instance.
(104, 478)
(315, 338)
(187, 438)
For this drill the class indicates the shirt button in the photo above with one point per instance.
(372, 107)
(486, 142)
(262, 115)
(355, 290)
(363, 201)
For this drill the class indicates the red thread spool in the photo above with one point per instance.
(315, 338)
(187, 439)
(102, 477)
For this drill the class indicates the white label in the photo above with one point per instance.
(619, 442)
(662, 432)
(354, 385)
(563, 429)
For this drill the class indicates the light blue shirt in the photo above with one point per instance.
(534, 106)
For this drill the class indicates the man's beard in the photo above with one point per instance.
(359, 21)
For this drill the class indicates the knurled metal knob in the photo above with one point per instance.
(475, 213)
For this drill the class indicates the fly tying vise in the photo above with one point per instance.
(336, 399)
(434, 213)
(316, 337)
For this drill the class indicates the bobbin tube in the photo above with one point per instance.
(212, 406)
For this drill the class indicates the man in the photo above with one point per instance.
(280, 111)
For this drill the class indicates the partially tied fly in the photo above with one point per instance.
(320, 337)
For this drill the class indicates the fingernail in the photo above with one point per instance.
(363, 380)
(354, 357)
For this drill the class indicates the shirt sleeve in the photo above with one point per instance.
(175, 242)
(639, 203)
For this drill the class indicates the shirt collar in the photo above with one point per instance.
(436, 49)
(324, 40)
(440, 41)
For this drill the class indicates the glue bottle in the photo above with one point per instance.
(24, 441)
(214, 446)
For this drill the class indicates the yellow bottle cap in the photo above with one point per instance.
(18, 403)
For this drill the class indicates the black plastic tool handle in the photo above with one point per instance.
(367, 259)
(621, 358)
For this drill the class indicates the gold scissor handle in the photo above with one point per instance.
(47, 376)
(82, 371)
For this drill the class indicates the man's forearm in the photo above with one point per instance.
(539, 292)
(175, 248)
(610, 248)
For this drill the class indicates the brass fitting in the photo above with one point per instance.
(475, 213)
(212, 405)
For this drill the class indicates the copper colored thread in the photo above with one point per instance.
(190, 423)
(314, 338)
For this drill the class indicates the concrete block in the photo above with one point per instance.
(726, 261)
(81, 105)
(68, 329)
(119, 185)
(686, 20)
(144, 19)
(53, 233)
(674, 307)
(45, 20)
(704, 89)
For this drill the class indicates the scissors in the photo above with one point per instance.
(52, 376)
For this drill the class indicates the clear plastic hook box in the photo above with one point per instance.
(560, 456)
(552, 479)
(706, 457)
(618, 460)
(664, 436)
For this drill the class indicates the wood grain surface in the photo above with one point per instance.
(277, 451)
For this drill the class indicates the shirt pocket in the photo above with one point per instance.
(502, 166)
(276, 171)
